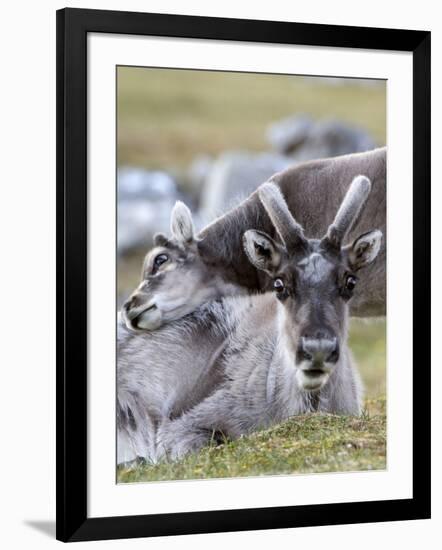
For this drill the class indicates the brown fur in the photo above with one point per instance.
(313, 191)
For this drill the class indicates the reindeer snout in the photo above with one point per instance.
(318, 350)
(140, 314)
(133, 302)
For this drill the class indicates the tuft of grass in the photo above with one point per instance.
(314, 443)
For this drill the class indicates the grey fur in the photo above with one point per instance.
(241, 380)
(349, 210)
(289, 231)
(181, 225)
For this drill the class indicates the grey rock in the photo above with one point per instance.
(331, 138)
(304, 140)
(139, 220)
(136, 183)
(145, 200)
(198, 172)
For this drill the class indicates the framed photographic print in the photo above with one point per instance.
(243, 274)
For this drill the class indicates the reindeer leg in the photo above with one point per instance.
(208, 421)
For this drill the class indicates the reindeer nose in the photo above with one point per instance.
(319, 350)
(131, 305)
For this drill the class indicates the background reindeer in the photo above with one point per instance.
(264, 358)
(185, 271)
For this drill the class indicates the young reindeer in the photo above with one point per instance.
(288, 355)
(183, 272)
(251, 361)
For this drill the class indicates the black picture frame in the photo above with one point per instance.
(73, 25)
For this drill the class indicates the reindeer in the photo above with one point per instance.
(185, 271)
(241, 364)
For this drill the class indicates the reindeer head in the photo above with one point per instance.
(313, 279)
(174, 279)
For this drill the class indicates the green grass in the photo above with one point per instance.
(368, 344)
(313, 443)
(167, 117)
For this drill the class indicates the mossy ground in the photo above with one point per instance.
(304, 444)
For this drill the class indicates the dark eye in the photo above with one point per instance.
(160, 260)
(350, 282)
(278, 285)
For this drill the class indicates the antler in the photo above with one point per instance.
(352, 204)
(288, 229)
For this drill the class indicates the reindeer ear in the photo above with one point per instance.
(160, 239)
(262, 251)
(181, 224)
(364, 249)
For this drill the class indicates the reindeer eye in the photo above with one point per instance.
(278, 285)
(160, 259)
(350, 282)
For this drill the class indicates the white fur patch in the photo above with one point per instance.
(350, 207)
(181, 223)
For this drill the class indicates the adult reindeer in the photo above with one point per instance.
(251, 361)
(185, 271)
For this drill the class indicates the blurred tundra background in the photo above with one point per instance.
(210, 138)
